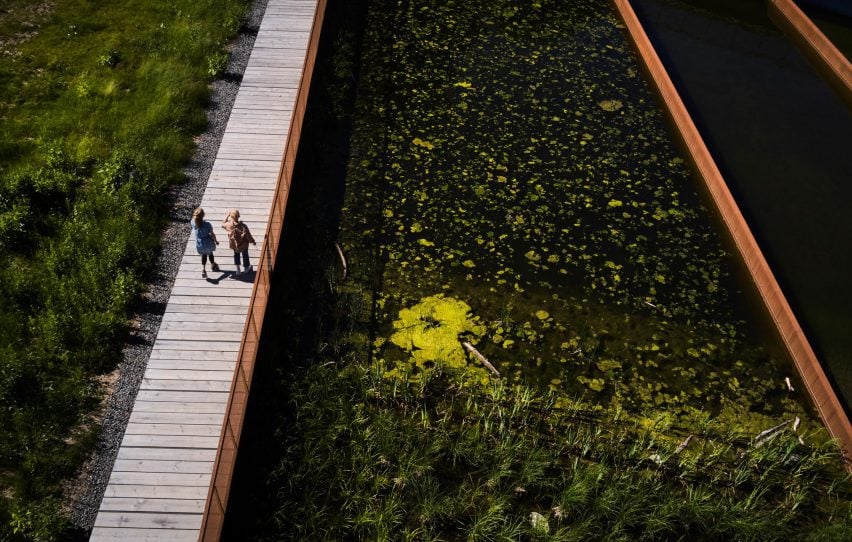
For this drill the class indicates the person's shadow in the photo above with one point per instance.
(222, 275)
(247, 277)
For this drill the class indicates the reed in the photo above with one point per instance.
(440, 460)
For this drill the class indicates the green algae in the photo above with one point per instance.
(431, 330)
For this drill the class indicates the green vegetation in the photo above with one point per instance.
(99, 103)
(633, 391)
(368, 458)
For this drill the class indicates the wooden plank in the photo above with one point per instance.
(205, 325)
(212, 355)
(247, 174)
(224, 180)
(175, 506)
(260, 202)
(271, 104)
(265, 165)
(185, 385)
(227, 274)
(141, 520)
(173, 429)
(170, 441)
(247, 151)
(234, 152)
(164, 454)
(202, 317)
(204, 346)
(243, 190)
(180, 407)
(236, 180)
(163, 466)
(171, 396)
(233, 336)
(261, 115)
(259, 149)
(192, 365)
(183, 374)
(159, 479)
(144, 491)
(123, 534)
(139, 416)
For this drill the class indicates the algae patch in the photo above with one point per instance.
(430, 331)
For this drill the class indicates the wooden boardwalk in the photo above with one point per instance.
(161, 477)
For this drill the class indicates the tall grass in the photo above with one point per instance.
(99, 104)
(368, 458)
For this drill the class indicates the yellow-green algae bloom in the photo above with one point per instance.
(430, 331)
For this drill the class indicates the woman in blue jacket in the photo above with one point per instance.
(205, 240)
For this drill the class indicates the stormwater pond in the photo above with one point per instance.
(501, 185)
(513, 185)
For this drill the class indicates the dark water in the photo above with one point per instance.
(835, 24)
(784, 143)
(513, 183)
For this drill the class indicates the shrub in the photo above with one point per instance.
(217, 63)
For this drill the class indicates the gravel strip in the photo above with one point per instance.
(84, 494)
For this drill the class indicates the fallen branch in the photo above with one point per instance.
(480, 357)
(682, 446)
(342, 259)
(768, 434)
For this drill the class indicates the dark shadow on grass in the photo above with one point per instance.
(249, 30)
(236, 78)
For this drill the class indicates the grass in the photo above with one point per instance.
(99, 104)
(366, 458)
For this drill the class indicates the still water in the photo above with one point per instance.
(783, 141)
(514, 184)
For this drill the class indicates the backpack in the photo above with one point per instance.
(238, 236)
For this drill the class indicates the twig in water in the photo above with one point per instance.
(768, 434)
(682, 446)
(342, 259)
(480, 357)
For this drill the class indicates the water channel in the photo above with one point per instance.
(782, 139)
(504, 177)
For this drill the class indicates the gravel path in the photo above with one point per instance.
(85, 492)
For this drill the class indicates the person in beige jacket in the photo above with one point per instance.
(239, 238)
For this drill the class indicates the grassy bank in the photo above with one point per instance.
(99, 103)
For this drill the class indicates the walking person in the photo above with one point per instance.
(239, 238)
(205, 240)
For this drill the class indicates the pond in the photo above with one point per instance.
(504, 178)
(513, 185)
